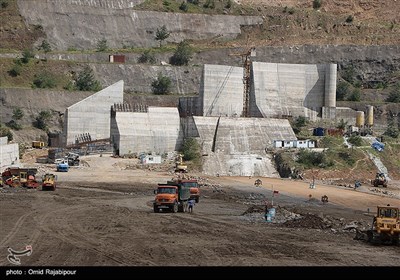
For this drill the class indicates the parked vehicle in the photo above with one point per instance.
(173, 197)
(62, 167)
(49, 182)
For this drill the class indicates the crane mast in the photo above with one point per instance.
(246, 79)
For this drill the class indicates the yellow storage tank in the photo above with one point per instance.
(370, 115)
(360, 120)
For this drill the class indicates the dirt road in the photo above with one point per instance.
(101, 215)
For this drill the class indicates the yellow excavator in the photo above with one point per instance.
(179, 165)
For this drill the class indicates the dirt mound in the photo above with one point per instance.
(307, 221)
(254, 209)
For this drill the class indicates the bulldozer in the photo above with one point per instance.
(380, 180)
(385, 227)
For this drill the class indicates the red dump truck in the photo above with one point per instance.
(171, 196)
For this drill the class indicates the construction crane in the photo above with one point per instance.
(246, 61)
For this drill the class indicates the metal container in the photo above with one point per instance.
(360, 120)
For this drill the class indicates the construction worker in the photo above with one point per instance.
(191, 203)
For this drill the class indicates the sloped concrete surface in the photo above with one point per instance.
(82, 24)
(237, 146)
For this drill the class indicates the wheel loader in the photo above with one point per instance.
(385, 227)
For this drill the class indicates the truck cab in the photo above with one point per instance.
(171, 197)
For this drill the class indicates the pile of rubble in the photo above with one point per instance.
(307, 221)
(383, 191)
(286, 218)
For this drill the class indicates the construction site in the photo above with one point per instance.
(113, 187)
(237, 116)
(101, 214)
(110, 209)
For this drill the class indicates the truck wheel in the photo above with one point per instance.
(156, 210)
(197, 200)
(175, 208)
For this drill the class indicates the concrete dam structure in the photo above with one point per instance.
(91, 116)
(237, 146)
(136, 130)
(276, 90)
(231, 145)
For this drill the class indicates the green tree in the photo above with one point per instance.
(342, 124)
(102, 45)
(210, 4)
(18, 114)
(348, 75)
(147, 57)
(182, 55)
(27, 54)
(14, 125)
(317, 4)
(15, 70)
(342, 90)
(4, 3)
(394, 95)
(86, 81)
(162, 85)
(349, 19)
(162, 34)
(355, 140)
(42, 119)
(70, 86)
(392, 130)
(184, 6)
(190, 149)
(300, 121)
(355, 95)
(5, 131)
(44, 80)
(45, 46)
(311, 158)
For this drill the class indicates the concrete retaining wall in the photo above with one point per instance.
(92, 115)
(82, 24)
(156, 131)
(9, 154)
(236, 146)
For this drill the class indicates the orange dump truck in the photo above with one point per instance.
(192, 184)
(172, 197)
